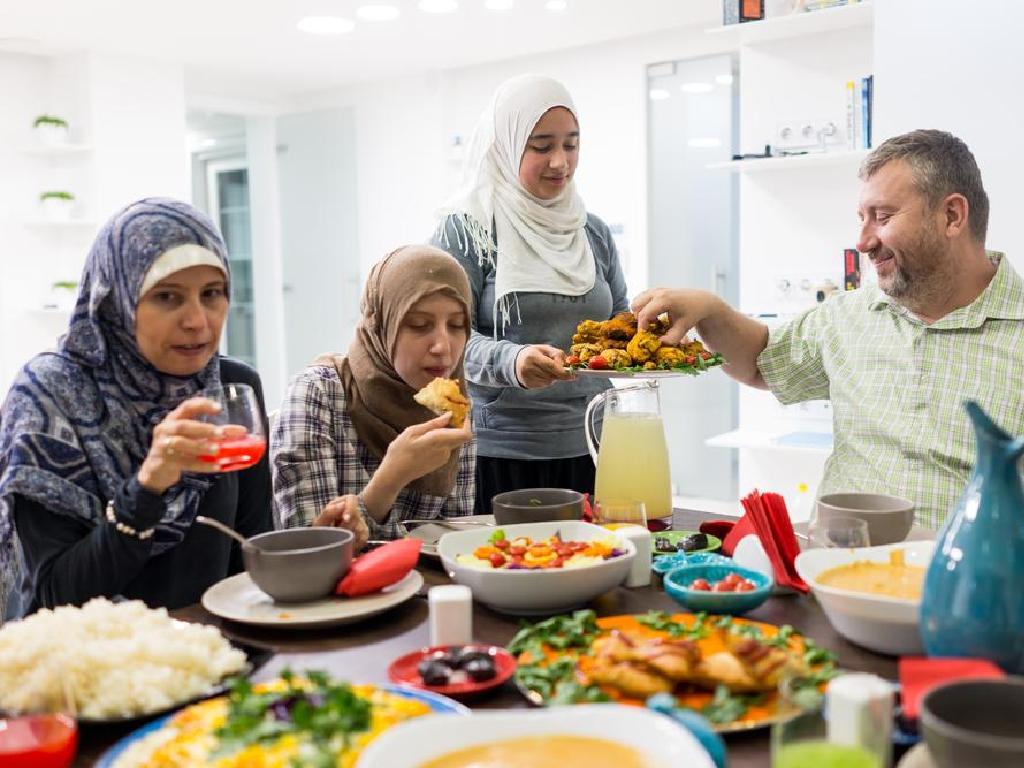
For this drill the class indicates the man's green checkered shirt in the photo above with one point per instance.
(898, 386)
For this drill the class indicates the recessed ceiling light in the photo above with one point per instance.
(499, 5)
(438, 6)
(723, 79)
(659, 94)
(325, 25)
(709, 141)
(696, 87)
(377, 12)
(556, 5)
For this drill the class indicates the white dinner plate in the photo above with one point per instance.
(238, 599)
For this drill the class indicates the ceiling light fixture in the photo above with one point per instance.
(499, 5)
(325, 25)
(556, 5)
(702, 142)
(659, 94)
(723, 79)
(696, 87)
(377, 12)
(438, 6)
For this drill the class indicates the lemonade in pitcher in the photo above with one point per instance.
(632, 457)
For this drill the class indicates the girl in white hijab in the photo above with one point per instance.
(538, 264)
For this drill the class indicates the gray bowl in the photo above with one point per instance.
(537, 505)
(298, 564)
(889, 518)
(975, 723)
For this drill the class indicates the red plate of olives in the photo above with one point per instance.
(454, 670)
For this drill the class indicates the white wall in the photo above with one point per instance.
(132, 115)
(956, 66)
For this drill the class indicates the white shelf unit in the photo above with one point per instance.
(793, 162)
(796, 24)
(796, 214)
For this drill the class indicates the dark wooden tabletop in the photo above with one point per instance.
(362, 652)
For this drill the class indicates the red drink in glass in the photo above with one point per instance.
(238, 453)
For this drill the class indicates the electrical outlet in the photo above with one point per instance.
(807, 134)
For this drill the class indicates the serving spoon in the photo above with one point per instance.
(225, 529)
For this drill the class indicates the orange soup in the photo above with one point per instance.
(555, 751)
(892, 579)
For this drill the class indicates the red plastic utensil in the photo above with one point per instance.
(38, 741)
(380, 568)
(404, 670)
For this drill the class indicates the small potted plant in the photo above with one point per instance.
(57, 205)
(51, 130)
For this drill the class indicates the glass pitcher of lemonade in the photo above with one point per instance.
(632, 456)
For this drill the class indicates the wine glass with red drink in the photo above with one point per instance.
(238, 408)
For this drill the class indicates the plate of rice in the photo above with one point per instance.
(112, 662)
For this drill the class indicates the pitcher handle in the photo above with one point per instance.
(588, 423)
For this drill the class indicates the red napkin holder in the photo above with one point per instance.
(380, 568)
(918, 675)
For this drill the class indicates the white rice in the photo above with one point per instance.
(110, 659)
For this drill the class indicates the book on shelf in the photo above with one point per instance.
(859, 105)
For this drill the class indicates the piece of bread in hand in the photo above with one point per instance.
(443, 396)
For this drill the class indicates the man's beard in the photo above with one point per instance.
(922, 273)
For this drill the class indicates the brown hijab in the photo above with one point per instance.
(379, 401)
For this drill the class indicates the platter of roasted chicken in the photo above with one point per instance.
(616, 348)
(727, 669)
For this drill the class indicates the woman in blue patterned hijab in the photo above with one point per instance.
(102, 435)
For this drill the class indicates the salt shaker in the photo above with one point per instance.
(640, 569)
(859, 713)
(451, 614)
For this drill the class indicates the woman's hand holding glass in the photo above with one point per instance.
(343, 512)
(180, 440)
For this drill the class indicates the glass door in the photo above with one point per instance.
(228, 199)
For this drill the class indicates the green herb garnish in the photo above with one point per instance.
(558, 632)
(323, 714)
(556, 682)
(662, 622)
(727, 707)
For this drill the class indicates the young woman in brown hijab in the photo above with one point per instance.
(351, 447)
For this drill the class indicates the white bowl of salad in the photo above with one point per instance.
(537, 568)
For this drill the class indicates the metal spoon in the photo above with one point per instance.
(448, 522)
(224, 529)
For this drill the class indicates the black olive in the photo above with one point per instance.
(434, 672)
(692, 542)
(481, 669)
(664, 544)
(449, 658)
(471, 656)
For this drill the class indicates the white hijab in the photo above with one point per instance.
(536, 245)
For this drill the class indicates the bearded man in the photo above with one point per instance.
(944, 324)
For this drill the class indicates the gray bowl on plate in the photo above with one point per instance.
(889, 518)
(975, 722)
(298, 564)
(537, 505)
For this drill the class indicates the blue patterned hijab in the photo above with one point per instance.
(78, 422)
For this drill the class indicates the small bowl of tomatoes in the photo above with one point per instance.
(717, 587)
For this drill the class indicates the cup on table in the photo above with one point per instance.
(617, 512)
(238, 407)
(843, 532)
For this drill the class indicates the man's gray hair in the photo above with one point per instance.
(942, 165)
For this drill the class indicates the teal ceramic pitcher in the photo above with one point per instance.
(973, 603)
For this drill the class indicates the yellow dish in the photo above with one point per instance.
(892, 579)
(554, 751)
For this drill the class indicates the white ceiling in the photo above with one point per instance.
(252, 47)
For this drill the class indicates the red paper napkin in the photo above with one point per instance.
(743, 527)
(918, 675)
(770, 522)
(588, 513)
(380, 568)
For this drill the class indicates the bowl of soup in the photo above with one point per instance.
(872, 595)
(560, 737)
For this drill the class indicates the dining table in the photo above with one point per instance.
(362, 652)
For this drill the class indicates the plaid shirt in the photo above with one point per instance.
(897, 386)
(317, 456)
